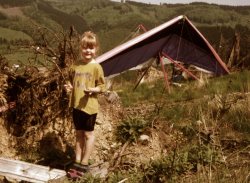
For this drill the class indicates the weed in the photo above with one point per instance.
(239, 118)
(131, 128)
(88, 178)
(167, 168)
(202, 155)
(131, 176)
(174, 113)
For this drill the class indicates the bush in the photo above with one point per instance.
(167, 168)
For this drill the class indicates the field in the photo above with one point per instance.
(12, 35)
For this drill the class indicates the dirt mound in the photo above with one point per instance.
(7, 143)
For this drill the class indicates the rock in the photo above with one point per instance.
(144, 139)
(112, 97)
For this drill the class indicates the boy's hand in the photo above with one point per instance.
(90, 91)
(68, 87)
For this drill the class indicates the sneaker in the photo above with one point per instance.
(80, 167)
(74, 174)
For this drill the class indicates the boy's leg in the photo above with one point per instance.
(89, 145)
(80, 145)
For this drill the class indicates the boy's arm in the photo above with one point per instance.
(93, 90)
(68, 87)
(68, 83)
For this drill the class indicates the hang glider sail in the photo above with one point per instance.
(178, 40)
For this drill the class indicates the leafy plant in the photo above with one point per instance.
(167, 168)
(131, 128)
(202, 155)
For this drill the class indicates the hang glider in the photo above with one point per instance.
(177, 40)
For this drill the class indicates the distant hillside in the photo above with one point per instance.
(64, 19)
(115, 22)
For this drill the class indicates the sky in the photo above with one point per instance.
(220, 2)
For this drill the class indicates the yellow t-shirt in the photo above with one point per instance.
(84, 76)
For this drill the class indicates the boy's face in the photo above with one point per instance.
(88, 52)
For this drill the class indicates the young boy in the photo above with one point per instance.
(87, 80)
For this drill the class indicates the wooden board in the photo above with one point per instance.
(29, 172)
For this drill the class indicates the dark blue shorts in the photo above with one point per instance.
(83, 121)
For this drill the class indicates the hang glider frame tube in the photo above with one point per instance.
(209, 45)
(180, 66)
(164, 73)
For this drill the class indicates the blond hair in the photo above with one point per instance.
(89, 39)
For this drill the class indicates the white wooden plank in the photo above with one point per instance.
(21, 170)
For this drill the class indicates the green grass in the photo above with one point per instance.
(24, 57)
(231, 83)
(11, 35)
(186, 105)
(239, 119)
